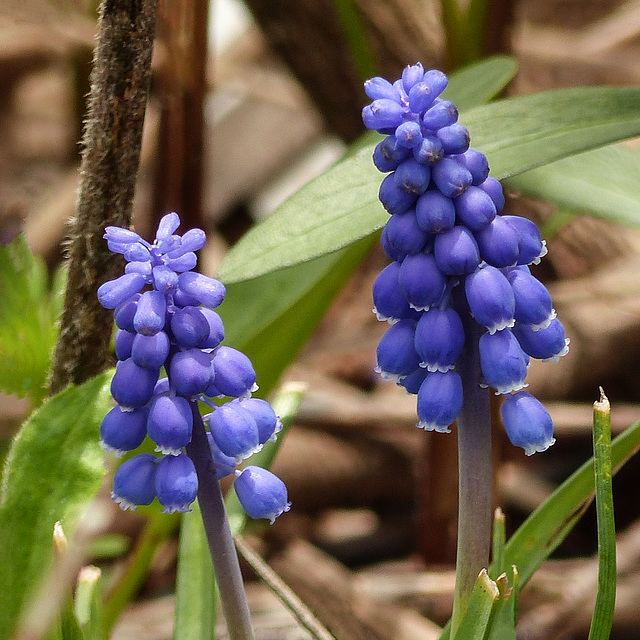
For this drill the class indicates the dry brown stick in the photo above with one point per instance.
(111, 150)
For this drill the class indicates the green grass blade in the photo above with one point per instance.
(605, 600)
(476, 618)
(356, 37)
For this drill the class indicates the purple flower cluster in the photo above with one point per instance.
(446, 231)
(166, 322)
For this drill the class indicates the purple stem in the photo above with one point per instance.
(219, 537)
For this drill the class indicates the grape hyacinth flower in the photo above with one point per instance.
(466, 313)
(166, 321)
(455, 257)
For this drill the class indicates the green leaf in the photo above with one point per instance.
(602, 620)
(602, 182)
(88, 602)
(54, 468)
(516, 134)
(27, 321)
(503, 622)
(341, 205)
(196, 594)
(477, 616)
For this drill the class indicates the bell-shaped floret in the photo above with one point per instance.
(451, 177)
(134, 482)
(190, 372)
(532, 246)
(215, 334)
(115, 292)
(533, 303)
(499, 245)
(235, 431)
(176, 483)
(454, 138)
(390, 249)
(429, 151)
(223, 464)
(409, 134)
(474, 208)
(125, 312)
(234, 373)
(209, 292)
(527, 423)
(266, 419)
(132, 385)
(439, 339)
(388, 301)
(439, 401)
(412, 177)
(189, 326)
(404, 234)
(383, 114)
(122, 342)
(421, 281)
(170, 423)
(396, 353)
(122, 431)
(456, 251)
(441, 114)
(378, 87)
(503, 362)
(393, 198)
(476, 163)
(388, 154)
(550, 343)
(261, 493)
(493, 188)
(435, 212)
(151, 351)
(151, 312)
(413, 381)
(490, 298)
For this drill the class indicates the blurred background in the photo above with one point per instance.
(249, 101)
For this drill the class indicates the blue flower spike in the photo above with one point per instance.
(166, 323)
(456, 259)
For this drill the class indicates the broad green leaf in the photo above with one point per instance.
(516, 134)
(196, 595)
(479, 82)
(602, 182)
(53, 469)
(476, 618)
(341, 205)
(27, 321)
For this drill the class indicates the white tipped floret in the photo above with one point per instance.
(539, 448)
(123, 503)
(545, 323)
(507, 389)
(432, 426)
(560, 354)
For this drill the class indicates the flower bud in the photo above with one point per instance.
(120, 235)
(189, 326)
(439, 401)
(498, 244)
(421, 281)
(412, 177)
(190, 372)
(122, 342)
(429, 151)
(527, 423)
(493, 188)
(393, 198)
(215, 333)
(382, 113)
(404, 234)
(176, 483)
(411, 75)
(165, 279)
(168, 225)
(409, 134)
(115, 292)
(441, 114)
(396, 353)
(549, 343)
(474, 208)
(208, 291)
(150, 352)
(377, 88)
(532, 247)
(134, 481)
(435, 212)
(125, 312)
(477, 164)
(532, 299)
(266, 419)
(223, 464)
(388, 154)
(454, 138)
(420, 97)
(132, 385)
(456, 251)
(150, 313)
(388, 301)
(170, 423)
(261, 493)
(450, 177)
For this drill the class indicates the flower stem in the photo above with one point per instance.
(219, 538)
(474, 473)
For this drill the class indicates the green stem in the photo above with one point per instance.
(219, 538)
(605, 599)
(474, 472)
